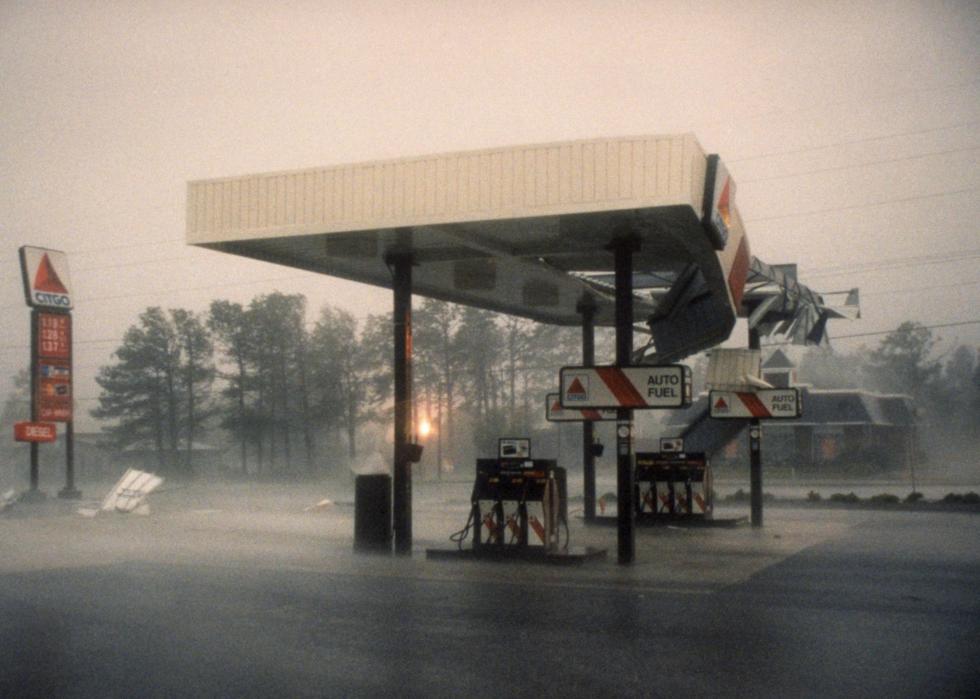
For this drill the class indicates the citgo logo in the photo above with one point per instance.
(49, 290)
(578, 390)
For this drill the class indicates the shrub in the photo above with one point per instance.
(850, 498)
(813, 496)
(738, 496)
(970, 498)
(914, 497)
(884, 499)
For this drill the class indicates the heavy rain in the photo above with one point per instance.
(532, 348)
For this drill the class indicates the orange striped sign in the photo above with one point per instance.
(635, 387)
(769, 404)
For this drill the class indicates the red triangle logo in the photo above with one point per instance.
(556, 407)
(47, 279)
(576, 389)
(720, 404)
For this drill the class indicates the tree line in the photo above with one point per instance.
(286, 395)
(946, 388)
(297, 396)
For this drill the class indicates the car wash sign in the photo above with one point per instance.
(46, 280)
(555, 413)
(768, 404)
(635, 387)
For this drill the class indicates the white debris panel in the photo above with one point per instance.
(130, 491)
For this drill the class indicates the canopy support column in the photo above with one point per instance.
(623, 249)
(586, 308)
(755, 451)
(401, 265)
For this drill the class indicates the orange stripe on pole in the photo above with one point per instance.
(624, 392)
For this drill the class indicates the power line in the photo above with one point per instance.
(155, 261)
(862, 99)
(183, 290)
(893, 263)
(856, 166)
(888, 332)
(921, 288)
(853, 142)
(86, 251)
(74, 342)
(867, 205)
(905, 258)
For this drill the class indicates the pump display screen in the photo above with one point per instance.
(514, 448)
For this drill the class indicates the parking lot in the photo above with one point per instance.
(243, 590)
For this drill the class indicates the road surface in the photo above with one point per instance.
(245, 594)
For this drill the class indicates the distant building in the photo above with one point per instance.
(839, 428)
(779, 371)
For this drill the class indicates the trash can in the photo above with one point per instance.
(372, 513)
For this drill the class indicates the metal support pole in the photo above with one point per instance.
(587, 308)
(33, 492)
(755, 452)
(402, 505)
(69, 492)
(623, 249)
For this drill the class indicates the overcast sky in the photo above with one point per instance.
(852, 130)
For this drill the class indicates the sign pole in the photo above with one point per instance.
(69, 492)
(755, 452)
(623, 249)
(587, 308)
(34, 493)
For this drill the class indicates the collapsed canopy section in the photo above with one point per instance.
(517, 230)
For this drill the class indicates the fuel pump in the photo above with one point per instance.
(673, 485)
(518, 504)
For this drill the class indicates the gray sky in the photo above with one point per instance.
(852, 131)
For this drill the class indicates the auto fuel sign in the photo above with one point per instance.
(768, 404)
(46, 280)
(636, 387)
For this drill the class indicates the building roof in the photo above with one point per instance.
(852, 406)
(821, 408)
(778, 360)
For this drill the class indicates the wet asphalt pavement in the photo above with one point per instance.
(201, 603)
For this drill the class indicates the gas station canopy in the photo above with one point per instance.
(520, 230)
(576, 233)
